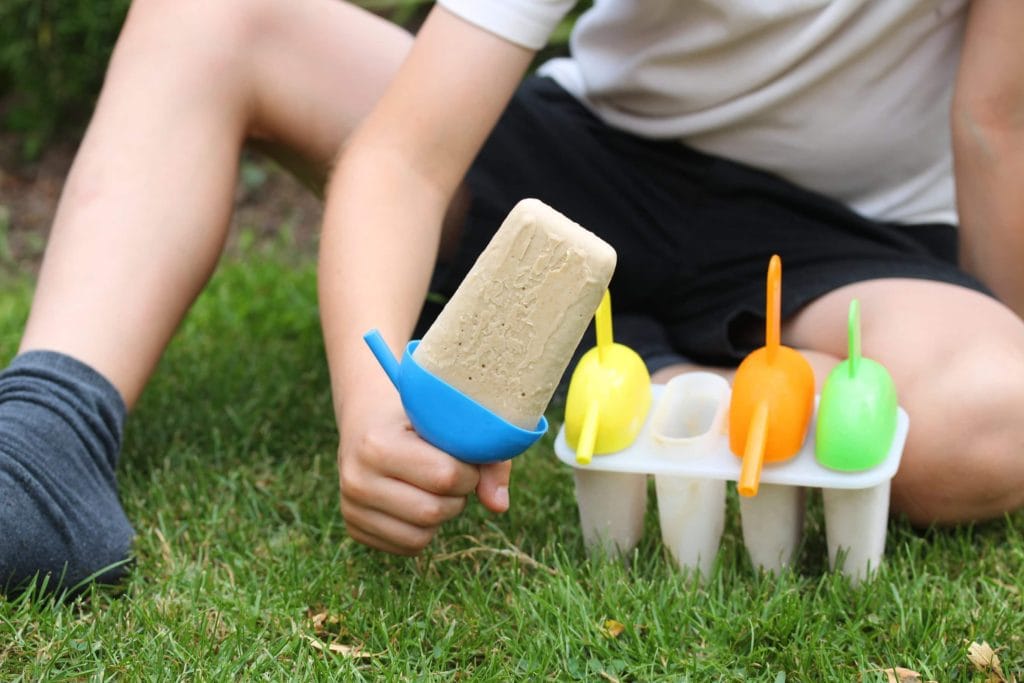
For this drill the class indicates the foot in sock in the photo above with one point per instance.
(60, 436)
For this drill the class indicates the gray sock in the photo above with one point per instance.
(60, 437)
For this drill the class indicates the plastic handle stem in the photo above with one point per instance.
(383, 354)
(773, 306)
(603, 326)
(588, 433)
(854, 334)
(753, 454)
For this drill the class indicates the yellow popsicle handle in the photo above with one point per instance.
(753, 454)
(603, 326)
(588, 434)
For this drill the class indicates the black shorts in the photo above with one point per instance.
(693, 232)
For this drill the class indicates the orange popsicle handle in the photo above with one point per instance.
(773, 308)
(753, 454)
(588, 433)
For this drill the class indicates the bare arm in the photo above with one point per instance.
(385, 204)
(988, 145)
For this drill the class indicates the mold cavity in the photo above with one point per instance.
(687, 418)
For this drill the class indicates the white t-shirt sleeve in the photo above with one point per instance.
(525, 22)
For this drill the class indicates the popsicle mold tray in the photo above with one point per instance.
(684, 445)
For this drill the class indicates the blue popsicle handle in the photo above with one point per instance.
(383, 354)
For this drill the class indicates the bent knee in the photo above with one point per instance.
(213, 41)
(964, 459)
(230, 21)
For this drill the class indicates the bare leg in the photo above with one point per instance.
(139, 229)
(146, 207)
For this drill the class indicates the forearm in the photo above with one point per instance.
(379, 243)
(387, 199)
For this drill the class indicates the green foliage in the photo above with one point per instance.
(53, 54)
(52, 59)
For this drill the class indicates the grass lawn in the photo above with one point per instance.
(244, 569)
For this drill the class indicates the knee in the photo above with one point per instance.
(964, 459)
(214, 41)
(189, 22)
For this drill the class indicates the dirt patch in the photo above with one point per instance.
(270, 205)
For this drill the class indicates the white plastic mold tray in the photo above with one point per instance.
(684, 445)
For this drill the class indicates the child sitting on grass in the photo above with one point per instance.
(865, 142)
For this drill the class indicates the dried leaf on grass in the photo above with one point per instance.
(899, 674)
(511, 551)
(612, 628)
(353, 651)
(985, 660)
(323, 621)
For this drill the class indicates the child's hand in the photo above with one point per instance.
(396, 489)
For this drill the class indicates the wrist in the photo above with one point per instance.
(365, 392)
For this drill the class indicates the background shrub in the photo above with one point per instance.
(52, 57)
(53, 54)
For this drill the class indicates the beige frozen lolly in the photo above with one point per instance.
(508, 333)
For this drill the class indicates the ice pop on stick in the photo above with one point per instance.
(508, 333)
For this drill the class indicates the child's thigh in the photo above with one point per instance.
(923, 330)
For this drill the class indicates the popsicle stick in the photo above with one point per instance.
(588, 433)
(854, 334)
(753, 454)
(603, 326)
(773, 305)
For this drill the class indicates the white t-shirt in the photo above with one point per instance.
(849, 98)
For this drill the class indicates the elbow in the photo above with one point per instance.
(986, 109)
(983, 130)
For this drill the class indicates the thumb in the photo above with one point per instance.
(493, 487)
